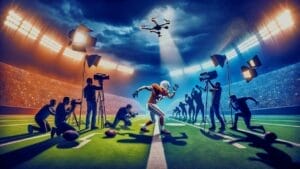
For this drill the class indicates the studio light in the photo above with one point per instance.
(218, 59)
(80, 38)
(254, 62)
(92, 60)
(248, 73)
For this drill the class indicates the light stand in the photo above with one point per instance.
(206, 103)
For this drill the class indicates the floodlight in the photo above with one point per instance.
(285, 20)
(107, 64)
(93, 60)
(73, 54)
(249, 43)
(81, 38)
(231, 54)
(218, 59)
(254, 62)
(192, 69)
(248, 73)
(50, 43)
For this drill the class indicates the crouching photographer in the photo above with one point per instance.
(124, 114)
(63, 111)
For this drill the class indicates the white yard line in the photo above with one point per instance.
(21, 124)
(156, 159)
(225, 137)
(22, 140)
(84, 140)
(283, 125)
(262, 135)
(276, 120)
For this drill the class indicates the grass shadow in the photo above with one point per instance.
(176, 140)
(210, 135)
(272, 156)
(136, 138)
(16, 157)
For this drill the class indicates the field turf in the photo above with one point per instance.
(189, 146)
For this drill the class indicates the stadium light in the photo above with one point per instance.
(248, 73)
(249, 43)
(264, 33)
(13, 20)
(192, 69)
(273, 28)
(68, 52)
(34, 33)
(51, 44)
(254, 62)
(231, 54)
(107, 64)
(206, 65)
(25, 28)
(125, 69)
(178, 72)
(285, 20)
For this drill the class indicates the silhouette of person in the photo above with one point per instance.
(190, 102)
(41, 118)
(241, 105)
(216, 91)
(90, 97)
(197, 96)
(61, 114)
(123, 114)
(176, 112)
(183, 110)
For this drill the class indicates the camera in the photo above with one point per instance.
(208, 76)
(101, 77)
(75, 101)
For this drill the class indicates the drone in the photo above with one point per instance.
(157, 28)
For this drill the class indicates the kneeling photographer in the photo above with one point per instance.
(124, 114)
(61, 116)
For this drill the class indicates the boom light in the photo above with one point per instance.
(51, 44)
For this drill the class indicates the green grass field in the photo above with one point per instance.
(187, 148)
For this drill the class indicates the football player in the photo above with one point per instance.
(158, 92)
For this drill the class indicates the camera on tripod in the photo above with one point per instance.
(76, 101)
(101, 77)
(208, 76)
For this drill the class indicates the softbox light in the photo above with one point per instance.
(92, 60)
(254, 62)
(248, 73)
(218, 59)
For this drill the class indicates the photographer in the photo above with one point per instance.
(124, 114)
(216, 91)
(41, 116)
(61, 115)
(183, 110)
(90, 96)
(190, 102)
(197, 96)
(241, 105)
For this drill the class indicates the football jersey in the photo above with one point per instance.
(157, 91)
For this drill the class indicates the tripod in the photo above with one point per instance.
(206, 103)
(101, 107)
